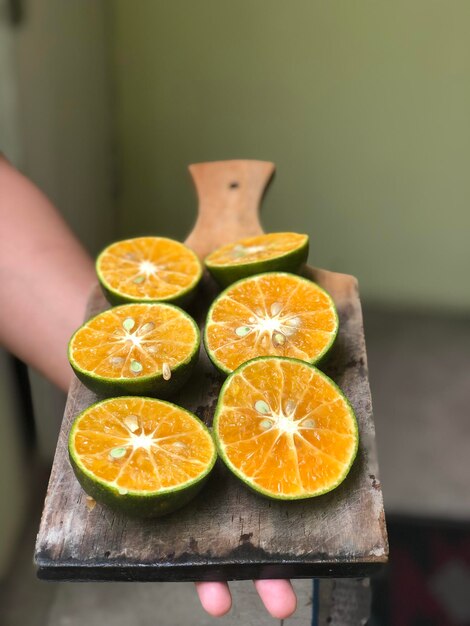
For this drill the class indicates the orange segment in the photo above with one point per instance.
(258, 248)
(148, 269)
(142, 445)
(285, 428)
(133, 341)
(136, 349)
(276, 314)
(274, 252)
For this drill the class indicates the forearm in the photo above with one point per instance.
(45, 277)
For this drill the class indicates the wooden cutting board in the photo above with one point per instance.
(227, 532)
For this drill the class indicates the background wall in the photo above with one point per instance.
(13, 479)
(363, 107)
(66, 110)
(65, 136)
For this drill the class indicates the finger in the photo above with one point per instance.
(215, 597)
(278, 597)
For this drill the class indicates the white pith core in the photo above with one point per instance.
(142, 441)
(133, 338)
(147, 441)
(254, 249)
(132, 335)
(267, 324)
(148, 268)
(284, 422)
(271, 324)
(138, 338)
(243, 251)
(287, 425)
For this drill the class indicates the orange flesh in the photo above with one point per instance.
(281, 315)
(149, 267)
(139, 444)
(300, 441)
(256, 249)
(157, 334)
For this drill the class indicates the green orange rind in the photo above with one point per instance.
(291, 262)
(249, 483)
(316, 361)
(115, 297)
(151, 385)
(141, 504)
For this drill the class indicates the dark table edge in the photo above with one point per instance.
(101, 571)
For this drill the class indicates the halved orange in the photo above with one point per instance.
(140, 456)
(264, 253)
(285, 428)
(276, 314)
(148, 269)
(136, 349)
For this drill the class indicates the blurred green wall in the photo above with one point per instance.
(364, 106)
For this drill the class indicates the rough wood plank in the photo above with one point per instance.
(230, 194)
(227, 532)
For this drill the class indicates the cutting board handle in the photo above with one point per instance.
(230, 194)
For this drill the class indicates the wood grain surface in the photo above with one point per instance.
(227, 532)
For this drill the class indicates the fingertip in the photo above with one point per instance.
(278, 597)
(215, 597)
